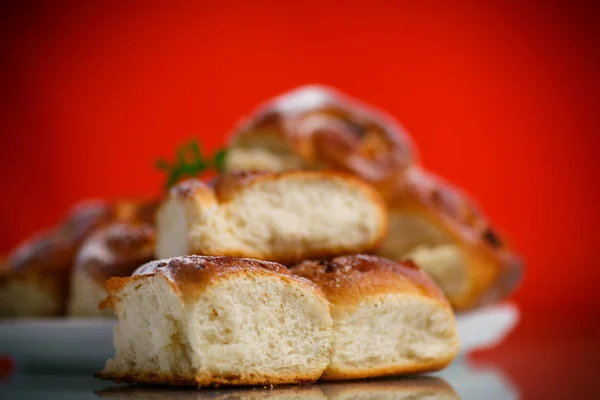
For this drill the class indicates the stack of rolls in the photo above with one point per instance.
(274, 290)
(325, 252)
(430, 221)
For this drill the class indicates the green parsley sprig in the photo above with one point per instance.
(190, 163)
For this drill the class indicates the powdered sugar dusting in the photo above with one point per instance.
(304, 99)
(169, 267)
(94, 251)
(150, 267)
(115, 250)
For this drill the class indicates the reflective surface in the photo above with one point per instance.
(544, 358)
(456, 382)
(550, 355)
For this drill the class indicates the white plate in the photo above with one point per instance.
(87, 343)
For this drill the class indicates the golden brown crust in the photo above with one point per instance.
(189, 188)
(49, 251)
(151, 378)
(332, 374)
(346, 280)
(55, 249)
(56, 287)
(205, 380)
(200, 268)
(191, 275)
(117, 250)
(45, 260)
(495, 270)
(281, 379)
(48, 257)
(326, 127)
(417, 187)
(134, 211)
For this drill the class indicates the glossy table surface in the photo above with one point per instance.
(456, 382)
(544, 358)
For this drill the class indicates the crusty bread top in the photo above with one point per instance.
(326, 127)
(417, 187)
(225, 187)
(418, 191)
(117, 249)
(55, 249)
(190, 269)
(346, 280)
(135, 211)
(191, 275)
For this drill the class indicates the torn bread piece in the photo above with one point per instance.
(203, 321)
(116, 250)
(283, 217)
(389, 318)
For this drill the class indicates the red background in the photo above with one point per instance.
(501, 98)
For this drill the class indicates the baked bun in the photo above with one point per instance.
(117, 249)
(316, 126)
(415, 388)
(389, 318)
(36, 280)
(204, 321)
(283, 217)
(443, 231)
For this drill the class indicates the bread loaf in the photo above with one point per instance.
(115, 250)
(444, 232)
(316, 127)
(204, 321)
(36, 280)
(389, 318)
(282, 217)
